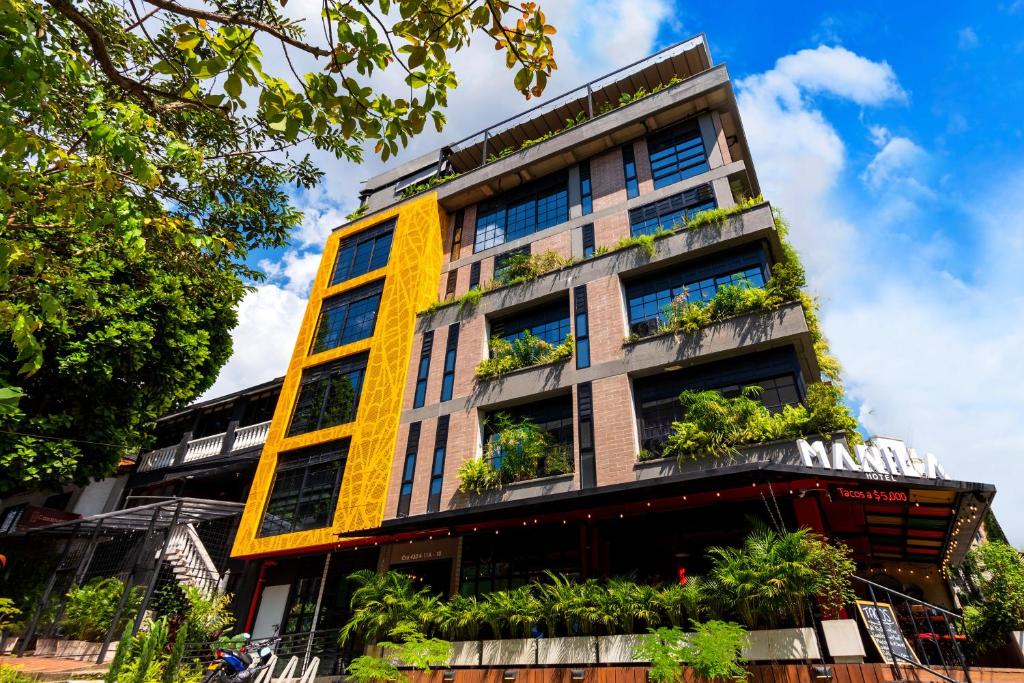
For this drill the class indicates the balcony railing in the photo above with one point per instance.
(205, 447)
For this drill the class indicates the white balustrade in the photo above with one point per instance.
(205, 447)
(253, 435)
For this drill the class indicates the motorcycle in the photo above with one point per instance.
(239, 665)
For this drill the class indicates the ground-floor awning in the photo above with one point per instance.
(161, 513)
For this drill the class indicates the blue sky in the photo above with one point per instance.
(892, 136)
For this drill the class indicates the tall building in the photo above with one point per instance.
(489, 369)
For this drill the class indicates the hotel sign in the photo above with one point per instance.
(881, 459)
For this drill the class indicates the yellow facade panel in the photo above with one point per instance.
(411, 278)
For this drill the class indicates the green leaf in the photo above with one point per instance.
(233, 85)
(188, 42)
(523, 78)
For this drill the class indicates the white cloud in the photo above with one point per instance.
(896, 163)
(268, 323)
(967, 39)
(932, 358)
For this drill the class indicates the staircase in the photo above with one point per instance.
(190, 562)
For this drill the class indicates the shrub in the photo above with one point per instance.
(523, 352)
(519, 268)
(9, 614)
(465, 301)
(714, 650)
(995, 572)
(518, 450)
(90, 608)
(412, 649)
(716, 426)
(10, 674)
(834, 567)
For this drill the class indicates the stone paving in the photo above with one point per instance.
(53, 668)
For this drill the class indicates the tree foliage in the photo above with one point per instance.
(995, 570)
(146, 149)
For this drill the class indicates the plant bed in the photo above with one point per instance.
(566, 651)
(510, 652)
(618, 649)
(843, 641)
(782, 644)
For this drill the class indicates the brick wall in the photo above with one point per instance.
(607, 179)
(606, 318)
(614, 441)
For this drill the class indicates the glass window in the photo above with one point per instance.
(363, 252)
(553, 415)
(586, 192)
(676, 153)
(629, 168)
(522, 211)
(551, 323)
(305, 489)
(450, 352)
(423, 371)
(408, 470)
(501, 261)
(667, 213)
(589, 245)
(582, 332)
(329, 395)
(437, 466)
(347, 317)
(648, 300)
(657, 396)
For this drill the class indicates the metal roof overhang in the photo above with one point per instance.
(161, 514)
(696, 488)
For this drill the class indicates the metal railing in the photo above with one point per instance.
(944, 628)
(582, 101)
(205, 447)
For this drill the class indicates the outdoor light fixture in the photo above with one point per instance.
(821, 673)
(449, 675)
(509, 675)
(576, 675)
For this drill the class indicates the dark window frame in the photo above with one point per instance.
(586, 188)
(677, 153)
(665, 213)
(405, 488)
(325, 374)
(365, 245)
(551, 321)
(581, 326)
(437, 465)
(522, 211)
(342, 305)
(588, 238)
(451, 350)
(299, 494)
(423, 370)
(629, 171)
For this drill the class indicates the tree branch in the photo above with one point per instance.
(238, 19)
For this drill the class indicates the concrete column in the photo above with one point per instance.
(710, 138)
(723, 193)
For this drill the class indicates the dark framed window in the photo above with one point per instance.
(585, 430)
(460, 218)
(449, 287)
(629, 169)
(523, 211)
(553, 415)
(423, 370)
(582, 325)
(408, 470)
(474, 274)
(363, 252)
(329, 394)
(648, 300)
(514, 558)
(451, 349)
(666, 213)
(676, 153)
(589, 245)
(347, 317)
(305, 489)
(501, 261)
(437, 466)
(586, 190)
(551, 323)
(777, 372)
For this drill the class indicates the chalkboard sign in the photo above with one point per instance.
(880, 621)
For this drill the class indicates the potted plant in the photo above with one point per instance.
(834, 590)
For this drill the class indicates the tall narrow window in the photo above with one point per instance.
(329, 395)
(347, 317)
(676, 153)
(449, 287)
(460, 217)
(363, 252)
(629, 166)
(474, 275)
(450, 350)
(437, 466)
(305, 489)
(585, 411)
(589, 245)
(423, 370)
(582, 327)
(409, 470)
(586, 193)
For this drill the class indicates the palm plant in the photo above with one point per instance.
(518, 609)
(381, 602)
(460, 618)
(682, 604)
(768, 578)
(629, 602)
